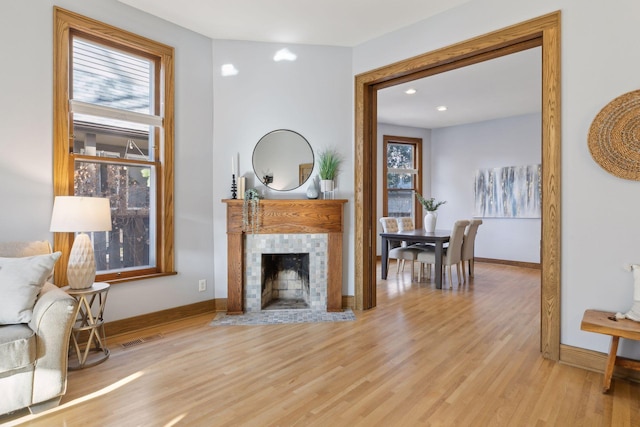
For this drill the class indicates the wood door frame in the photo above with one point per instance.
(544, 32)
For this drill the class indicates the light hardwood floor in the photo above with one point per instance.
(462, 357)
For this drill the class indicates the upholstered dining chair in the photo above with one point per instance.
(452, 253)
(405, 223)
(396, 249)
(468, 245)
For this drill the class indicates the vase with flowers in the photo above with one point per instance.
(431, 206)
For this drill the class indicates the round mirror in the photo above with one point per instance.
(283, 160)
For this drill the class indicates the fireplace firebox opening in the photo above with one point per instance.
(285, 281)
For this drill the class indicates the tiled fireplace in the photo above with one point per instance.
(312, 288)
(313, 227)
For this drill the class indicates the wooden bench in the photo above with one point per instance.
(604, 322)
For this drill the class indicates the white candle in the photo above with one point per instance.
(233, 166)
(241, 185)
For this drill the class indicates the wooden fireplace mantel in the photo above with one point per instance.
(285, 216)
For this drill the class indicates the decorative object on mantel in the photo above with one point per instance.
(242, 182)
(234, 166)
(614, 137)
(312, 190)
(233, 187)
(328, 167)
(251, 211)
(431, 206)
(634, 312)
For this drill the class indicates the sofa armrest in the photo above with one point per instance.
(52, 320)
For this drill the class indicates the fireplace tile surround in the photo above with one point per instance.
(313, 244)
(313, 226)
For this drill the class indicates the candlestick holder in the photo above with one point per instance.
(234, 187)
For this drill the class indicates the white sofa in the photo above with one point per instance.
(36, 318)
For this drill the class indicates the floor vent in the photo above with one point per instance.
(139, 341)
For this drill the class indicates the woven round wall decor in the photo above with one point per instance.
(614, 136)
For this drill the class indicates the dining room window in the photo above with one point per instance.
(402, 172)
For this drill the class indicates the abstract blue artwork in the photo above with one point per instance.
(508, 192)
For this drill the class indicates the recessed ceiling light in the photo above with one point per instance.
(410, 91)
(284, 55)
(442, 108)
(228, 70)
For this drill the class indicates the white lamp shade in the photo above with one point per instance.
(77, 214)
(81, 214)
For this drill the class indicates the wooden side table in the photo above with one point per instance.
(88, 341)
(603, 322)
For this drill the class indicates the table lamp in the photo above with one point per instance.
(73, 214)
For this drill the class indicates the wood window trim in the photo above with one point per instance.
(66, 24)
(417, 147)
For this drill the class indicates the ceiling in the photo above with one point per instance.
(501, 87)
(321, 22)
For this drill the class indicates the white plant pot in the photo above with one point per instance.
(430, 221)
(326, 185)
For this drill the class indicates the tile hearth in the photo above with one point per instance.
(279, 317)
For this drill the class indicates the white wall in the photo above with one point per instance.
(458, 151)
(600, 60)
(312, 96)
(26, 143)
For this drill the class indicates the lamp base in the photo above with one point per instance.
(81, 270)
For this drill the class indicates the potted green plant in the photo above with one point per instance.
(431, 206)
(328, 167)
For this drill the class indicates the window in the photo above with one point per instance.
(403, 177)
(113, 137)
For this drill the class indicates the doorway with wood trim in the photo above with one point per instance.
(544, 32)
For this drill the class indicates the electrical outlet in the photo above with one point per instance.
(202, 285)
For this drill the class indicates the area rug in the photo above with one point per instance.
(279, 317)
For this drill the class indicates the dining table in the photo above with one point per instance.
(438, 238)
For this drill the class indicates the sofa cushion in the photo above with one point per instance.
(17, 347)
(21, 280)
(22, 249)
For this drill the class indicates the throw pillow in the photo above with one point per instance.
(21, 280)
